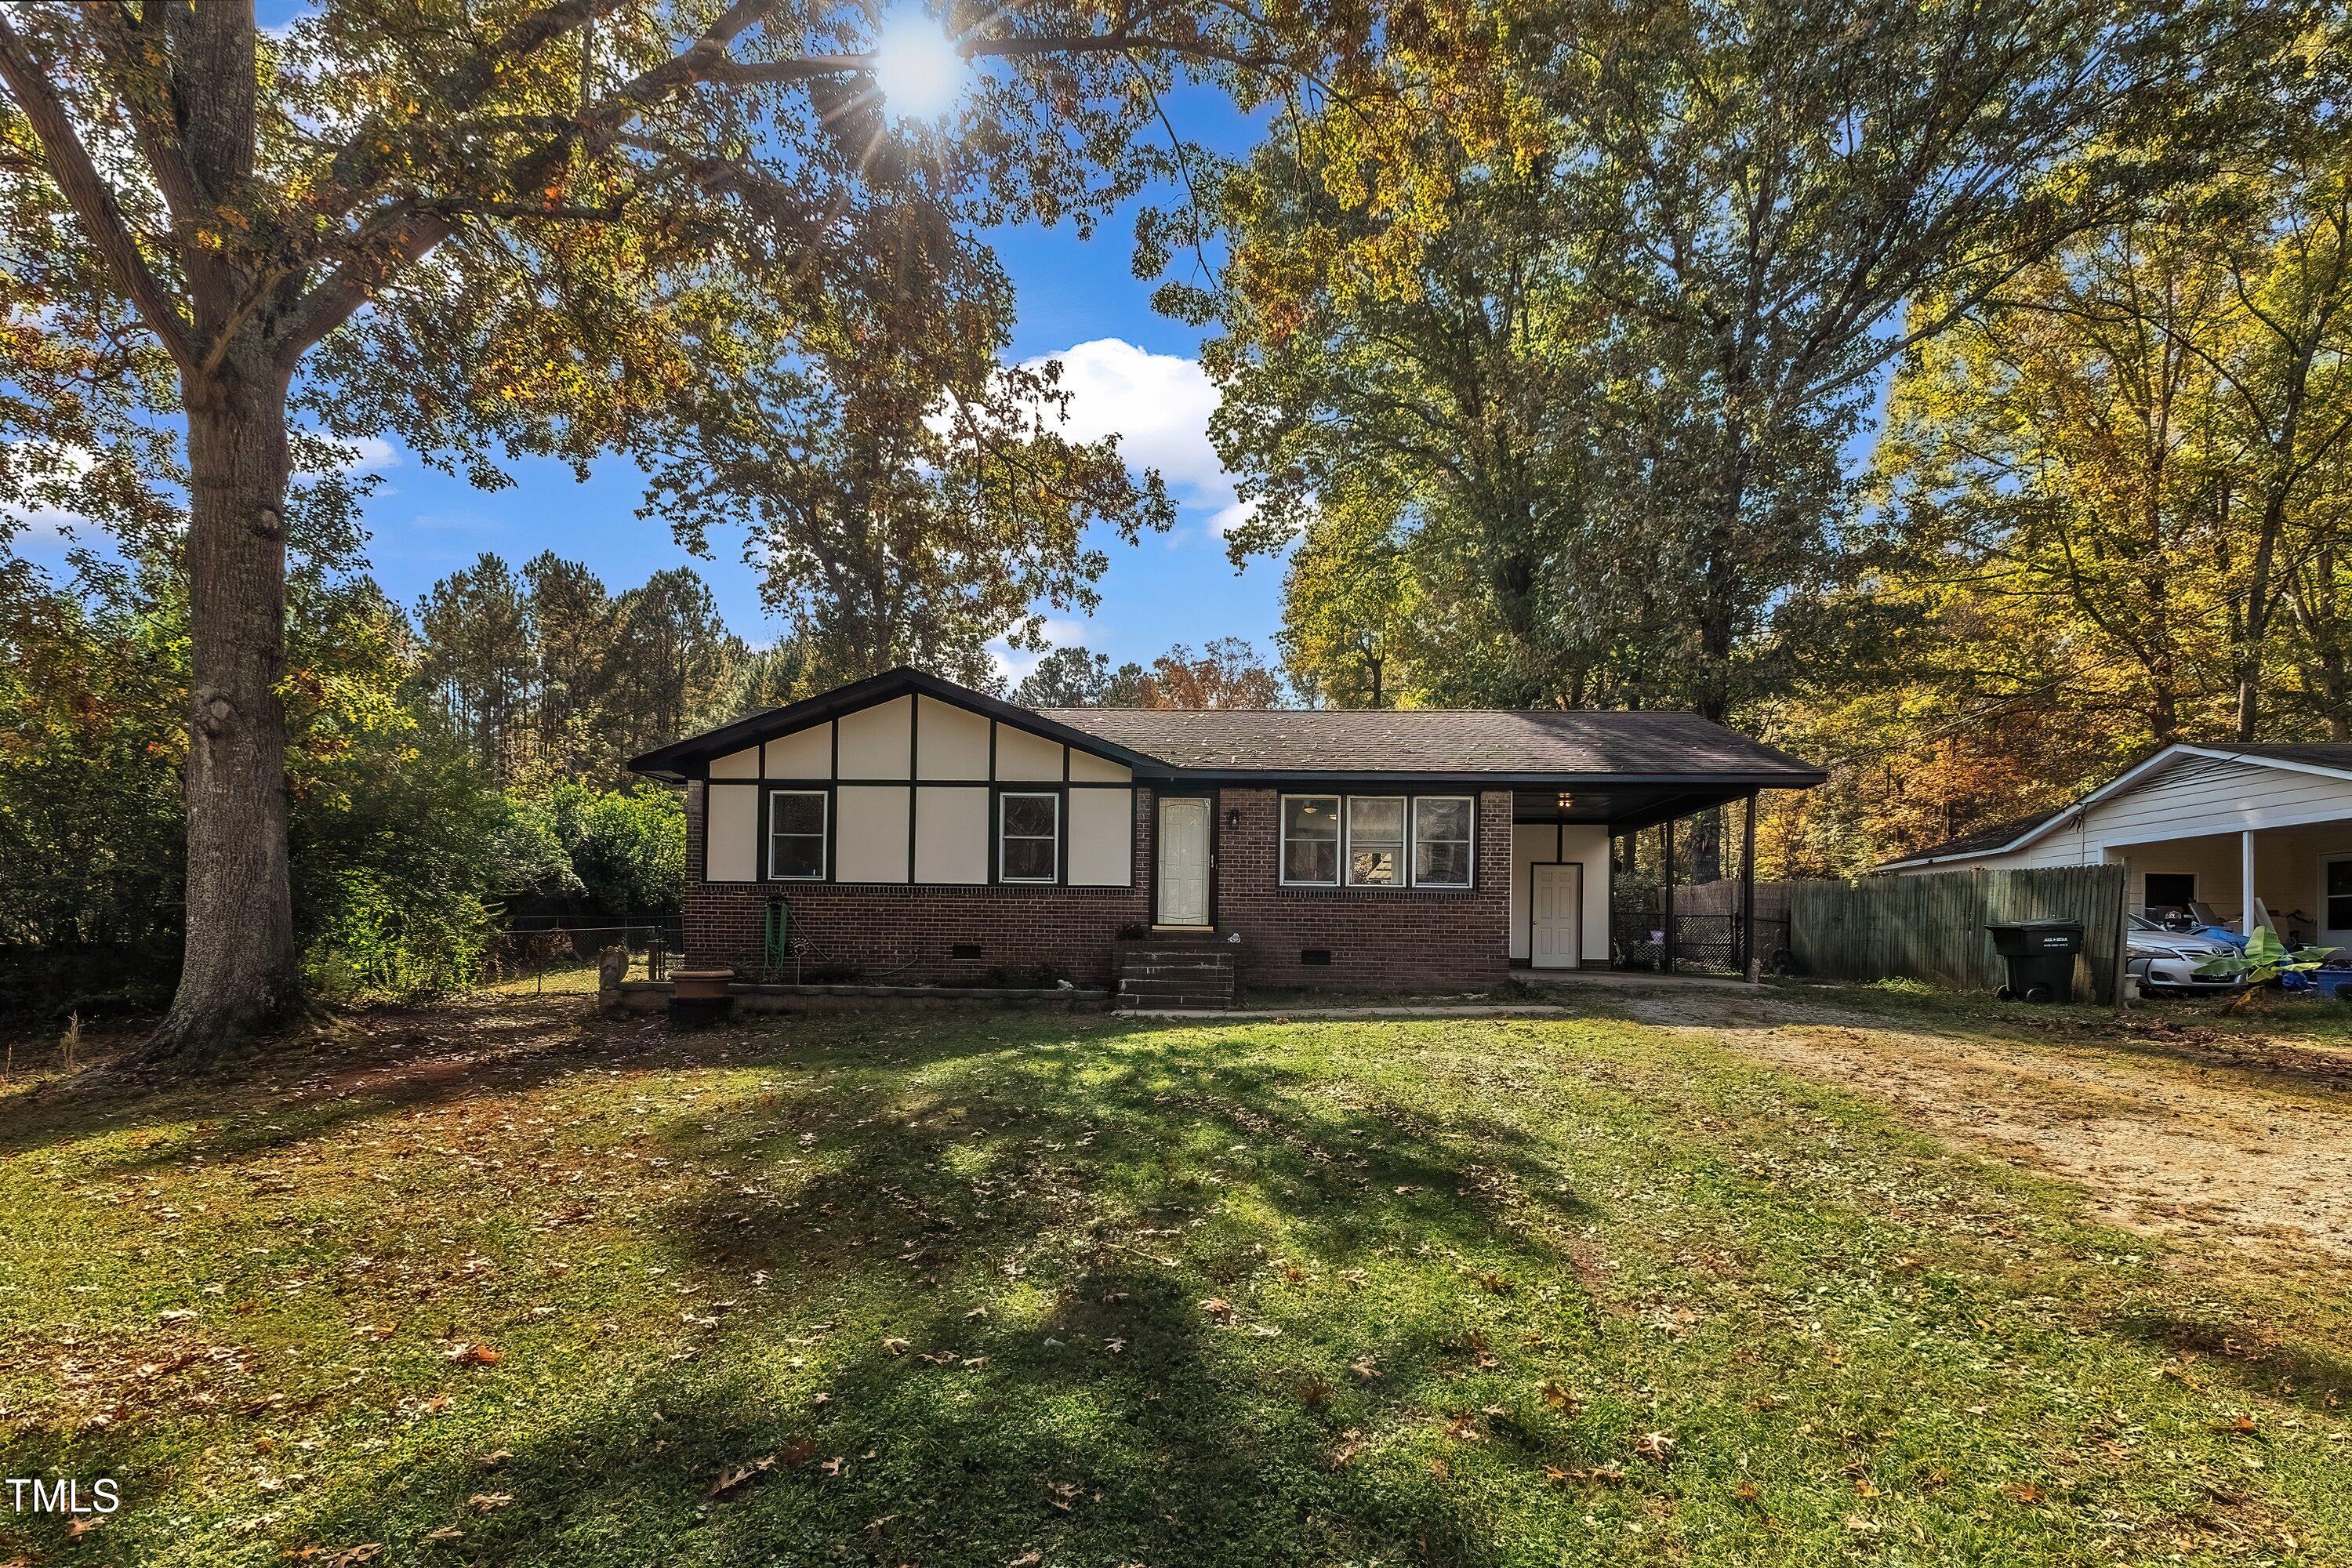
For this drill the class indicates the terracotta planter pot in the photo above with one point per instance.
(700, 985)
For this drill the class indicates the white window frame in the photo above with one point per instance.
(1052, 877)
(1470, 861)
(1403, 843)
(823, 834)
(1338, 840)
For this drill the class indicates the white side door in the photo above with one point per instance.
(1183, 861)
(1556, 925)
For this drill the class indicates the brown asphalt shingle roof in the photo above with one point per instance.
(1437, 740)
(1980, 841)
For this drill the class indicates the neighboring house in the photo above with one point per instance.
(921, 831)
(2212, 824)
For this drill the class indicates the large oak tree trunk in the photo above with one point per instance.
(240, 972)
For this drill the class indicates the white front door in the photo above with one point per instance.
(1556, 923)
(1183, 861)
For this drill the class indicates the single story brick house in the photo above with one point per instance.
(923, 831)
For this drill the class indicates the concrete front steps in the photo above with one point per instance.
(1176, 970)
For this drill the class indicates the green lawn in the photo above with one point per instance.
(1007, 1289)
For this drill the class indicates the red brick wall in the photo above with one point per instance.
(1375, 937)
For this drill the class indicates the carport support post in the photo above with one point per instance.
(1666, 898)
(1747, 966)
(2246, 884)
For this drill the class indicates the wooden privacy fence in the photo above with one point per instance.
(1932, 928)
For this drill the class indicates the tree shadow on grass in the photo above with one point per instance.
(292, 1098)
(2256, 1360)
(1014, 1447)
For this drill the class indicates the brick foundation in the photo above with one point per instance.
(1375, 937)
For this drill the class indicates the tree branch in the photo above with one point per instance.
(92, 200)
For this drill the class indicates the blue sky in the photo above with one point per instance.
(1134, 372)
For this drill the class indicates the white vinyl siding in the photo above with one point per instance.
(1102, 837)
(731, 829)
(2190, 797)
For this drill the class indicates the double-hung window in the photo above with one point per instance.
(1310, 840)
(1028, 836)
(1441, 841)
(796, 824)
(1376, 841)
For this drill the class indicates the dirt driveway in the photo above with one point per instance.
(2238, 1140)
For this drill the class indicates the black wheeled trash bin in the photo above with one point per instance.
(2040, 955)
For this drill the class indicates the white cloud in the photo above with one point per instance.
(1157, 404)
(1015, 664)
(368, 452)
(1232, 517)
(41, 525)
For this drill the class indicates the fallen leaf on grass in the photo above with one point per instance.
(1655, 1447)
(82, 1526)
(2025, 1493)
(1220, 1308)
(447, 1533)
(1601, 1475)
(487, 1502)
(897, 1347)
(465, 1354)
(1558, 1398)
(494, 1458)
(1363, 1369)
(1027, 1560)
(729, 1480)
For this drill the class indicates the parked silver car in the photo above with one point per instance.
(2169, 960)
